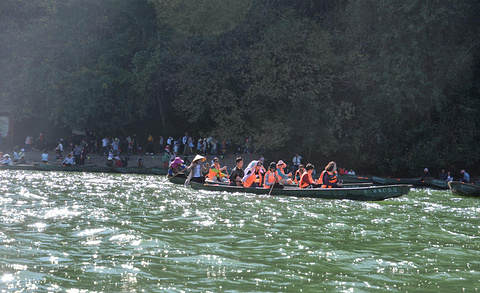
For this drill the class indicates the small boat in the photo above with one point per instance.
(464, 189)
(356, 193)
(392, 181)
(436, 183)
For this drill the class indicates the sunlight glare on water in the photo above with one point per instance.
(82, 232)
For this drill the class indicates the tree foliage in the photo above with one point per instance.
(381, 86)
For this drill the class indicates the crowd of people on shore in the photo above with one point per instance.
(79, 147)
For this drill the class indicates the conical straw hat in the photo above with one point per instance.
(198, 157)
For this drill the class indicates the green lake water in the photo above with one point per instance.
(81, 232)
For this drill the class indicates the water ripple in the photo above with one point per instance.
(75, 232)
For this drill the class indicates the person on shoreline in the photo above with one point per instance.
(307, 180)
(237, 173)
(297, 161)
(329, 177)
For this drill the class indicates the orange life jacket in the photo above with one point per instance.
(303, 183)
(272, 178)
(332, 180)
(253, 178)
(214, 172)
(299, 176)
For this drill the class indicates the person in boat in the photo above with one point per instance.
(351, 172)
(140, 162)
(449, 176)
(176, 166)
(237, 173)
(165, 159)
(216, 173)
(307, 180)
(466, 176)
(110, 162)
(284, 178)
(442, 175)
(253, 174)
(329, 177)
(118, 162)
(7, 161)
(425, 174)
(21, 155)
(69, 160)
(197, 168)
(272, 177)
(299, 173)
(16, 157)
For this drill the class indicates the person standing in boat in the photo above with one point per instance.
(466, 176)
(307, 180)
(237, 173)
(197, 168)
(329, 177)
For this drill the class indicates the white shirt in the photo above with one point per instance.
(296, 160)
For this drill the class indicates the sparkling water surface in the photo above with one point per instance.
(83, 232)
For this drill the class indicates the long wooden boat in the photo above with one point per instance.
(18, 167)
(359, 193)
(141, 170)
(436, 183)
(464, 189)
(346, 178)
(393, 181)
(96, 169)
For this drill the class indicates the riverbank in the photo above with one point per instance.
(150, 161)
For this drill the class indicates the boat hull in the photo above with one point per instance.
(464, 189)
(372, 193)
(436, 183)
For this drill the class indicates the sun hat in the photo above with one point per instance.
(7, 155)
(198, 157)
(281, 163)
